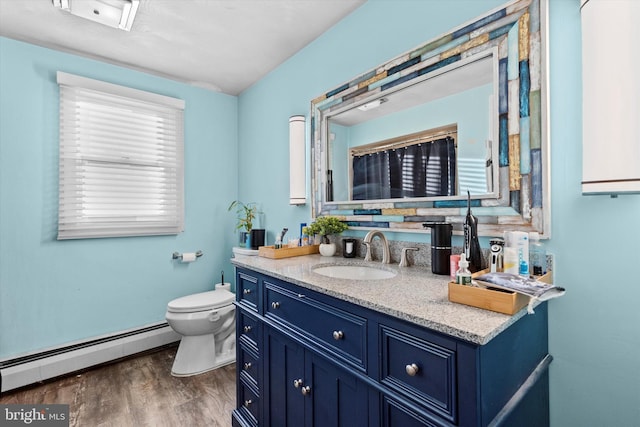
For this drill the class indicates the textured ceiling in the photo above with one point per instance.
(221, 45)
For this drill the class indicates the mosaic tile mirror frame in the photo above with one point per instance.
(515, 36)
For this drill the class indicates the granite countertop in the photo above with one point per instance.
(414, 294)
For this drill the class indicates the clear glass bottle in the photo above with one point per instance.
(537, 255)
(463, 275)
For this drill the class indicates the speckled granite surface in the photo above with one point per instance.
(413, 294)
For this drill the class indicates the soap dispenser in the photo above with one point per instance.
(440, 246)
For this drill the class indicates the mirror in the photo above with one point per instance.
(482, 88)
(404, 128)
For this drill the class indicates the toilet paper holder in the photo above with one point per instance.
(177, 255)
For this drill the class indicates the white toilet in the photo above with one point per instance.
(207, 324)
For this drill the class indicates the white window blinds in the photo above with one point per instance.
(121, 161)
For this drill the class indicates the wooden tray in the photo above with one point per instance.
(495, 300)
(502, 302)
(286, 252)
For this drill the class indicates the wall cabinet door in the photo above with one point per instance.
(306, 390)
(610, 93)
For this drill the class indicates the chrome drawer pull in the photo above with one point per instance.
(246, 291)
(247, 329)
(247, 366)
(412, 369)
(247, 403)
(297, 383)
(275, 305)
(338, 335)
(305, 390)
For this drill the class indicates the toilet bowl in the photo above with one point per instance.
(206, 322)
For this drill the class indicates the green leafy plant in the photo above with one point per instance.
(246, 214)
(325, 226)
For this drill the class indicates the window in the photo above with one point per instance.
(121, 161)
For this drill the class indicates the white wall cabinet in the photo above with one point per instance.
(610, 96)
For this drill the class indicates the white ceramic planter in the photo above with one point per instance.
(327, 249)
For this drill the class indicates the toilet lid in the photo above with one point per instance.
(201, 302)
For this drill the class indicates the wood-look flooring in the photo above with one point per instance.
(139, 391)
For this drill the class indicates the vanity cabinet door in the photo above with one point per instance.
(284, 372)
(336, 398)
(307, 390)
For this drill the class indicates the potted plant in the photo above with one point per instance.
(246, 214)
(324, 226)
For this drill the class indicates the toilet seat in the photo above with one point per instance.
(202, 301)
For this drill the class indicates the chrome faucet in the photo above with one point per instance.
(386, 253)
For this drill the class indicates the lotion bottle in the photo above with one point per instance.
(463, 275)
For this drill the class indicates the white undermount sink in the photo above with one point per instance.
(354, 272)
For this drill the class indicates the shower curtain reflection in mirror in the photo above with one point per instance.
(427, 169)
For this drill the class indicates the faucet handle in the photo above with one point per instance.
(368, 256)
(403, 257)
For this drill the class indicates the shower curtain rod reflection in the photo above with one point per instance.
(413, 139)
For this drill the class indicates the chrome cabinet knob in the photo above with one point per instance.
(305, 390)
(338, 335)
(247, 366)
(247, 329)
(297, 383)
(412, 369)
(275, 305)
(247, 403)
(246, 291)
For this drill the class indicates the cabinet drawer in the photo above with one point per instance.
(247, 290)
(248, 329)
(248, 366)
(397, 414)
(421, 369)
(340, 332)
(249, 404)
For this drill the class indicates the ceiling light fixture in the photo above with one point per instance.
(373, 104)
(113, 13)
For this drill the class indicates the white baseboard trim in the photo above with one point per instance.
(51, 363)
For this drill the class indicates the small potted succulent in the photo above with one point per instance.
(246, 214)
(324, 226)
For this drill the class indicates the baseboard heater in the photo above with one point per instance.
(54, 362)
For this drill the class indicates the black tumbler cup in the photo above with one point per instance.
(257, 238)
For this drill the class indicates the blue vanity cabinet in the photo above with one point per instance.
(308, 359)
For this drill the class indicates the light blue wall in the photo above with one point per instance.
(594, 338)
(360, 42)
(53, 292)
(595, 328)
